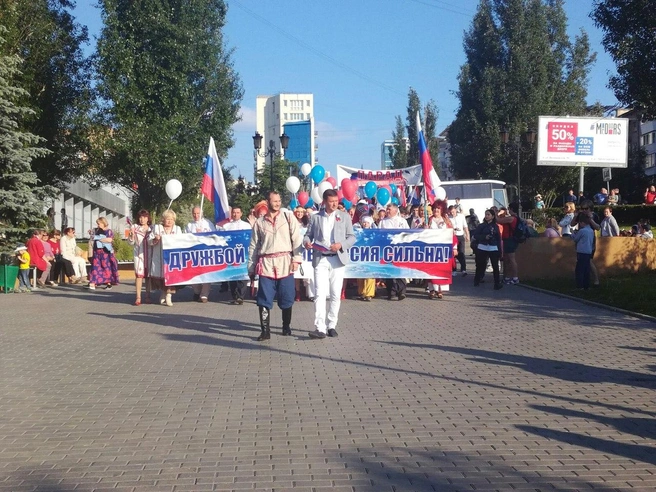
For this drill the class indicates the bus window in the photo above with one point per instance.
(475, 190)
(500, 198)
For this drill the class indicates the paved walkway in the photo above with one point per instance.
(483, 390)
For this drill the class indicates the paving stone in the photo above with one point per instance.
(483, 390)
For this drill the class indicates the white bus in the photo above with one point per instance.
(479, 194)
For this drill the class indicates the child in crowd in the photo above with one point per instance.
(584, 239)
(23, 258)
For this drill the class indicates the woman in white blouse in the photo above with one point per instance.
(70, 251)
(156, 272)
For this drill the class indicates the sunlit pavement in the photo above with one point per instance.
(483, 390)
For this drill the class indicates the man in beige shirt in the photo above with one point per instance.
(275, 254)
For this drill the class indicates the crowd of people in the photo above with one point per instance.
(278, 237)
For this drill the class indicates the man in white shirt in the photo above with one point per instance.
(199, 224)
(461, 232)
(330, 236)
(395, 286)
(237, 287)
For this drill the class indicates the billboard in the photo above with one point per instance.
(583, 141)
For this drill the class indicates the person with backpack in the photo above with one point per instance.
(508, 218)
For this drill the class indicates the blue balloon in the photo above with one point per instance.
(383, 196)
(293, 203)
(395, 200)
(309, 203)
(370, 189)
(347, 204)
(393, 188)
(317, 174)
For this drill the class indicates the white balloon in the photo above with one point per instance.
(440, 193)
(315, 195)
(173, 188)
(323, 186)
(306, 169)
(293, 184)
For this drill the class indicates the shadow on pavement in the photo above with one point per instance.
(566, 371)
(635, 452)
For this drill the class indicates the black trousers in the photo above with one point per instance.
(237, 288)
(59, 264)
(461, 253)
(395, 286)
(481, 263)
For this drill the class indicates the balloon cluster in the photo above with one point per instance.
(385, 194)
(318, 176)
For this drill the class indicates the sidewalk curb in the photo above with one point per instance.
(592, 303)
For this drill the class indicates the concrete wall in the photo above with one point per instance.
(556, 257)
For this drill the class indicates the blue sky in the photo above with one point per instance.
(358, 58)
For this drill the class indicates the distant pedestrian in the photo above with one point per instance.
(396, 287)
(571, 197)
(23, 258)
(584, 239)
(609, 227)
(488, 247)
(650, 195)
(237, 287)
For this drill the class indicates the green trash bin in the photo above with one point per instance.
(8, 274)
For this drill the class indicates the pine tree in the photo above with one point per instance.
(167, 85)
(520, 64)
(21, 199)
(56, 75)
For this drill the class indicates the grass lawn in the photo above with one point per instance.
(630, 292)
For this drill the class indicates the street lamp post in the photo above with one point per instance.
(271, 150)
(529, 137)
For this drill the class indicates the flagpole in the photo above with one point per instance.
(202, 199)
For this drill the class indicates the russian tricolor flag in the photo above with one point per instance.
(213, 186)
(431, 179)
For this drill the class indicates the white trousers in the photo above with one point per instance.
(79, 266)
(328, 279)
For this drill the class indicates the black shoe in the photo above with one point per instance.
(265, 335)
(286, 332)
(389, 297)
(498, 286)
(401, 297)
(317, 334)
(196, 297)
(108, 287)
(332, 333)
(264, 325)
(238, 301)
(476, 283)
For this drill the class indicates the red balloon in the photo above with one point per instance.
(303, 198)
(332, 181)
(349, 188)
(340, 195)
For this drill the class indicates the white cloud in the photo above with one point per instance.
(248, 120)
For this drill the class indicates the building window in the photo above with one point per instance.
(307, 103)
(285, 102)
(650, 161)
(297, 105)
(284, 116)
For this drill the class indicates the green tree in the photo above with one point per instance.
(405, 152)
(280, 175)
(55, 75)
(630, 39)
(398, 153)
(244, 195)
(167, 84)
(520, 64)
(22, 200)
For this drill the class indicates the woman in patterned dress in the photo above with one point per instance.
(104, 269)
(440, 220)
(138, 238)
(167, 227)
